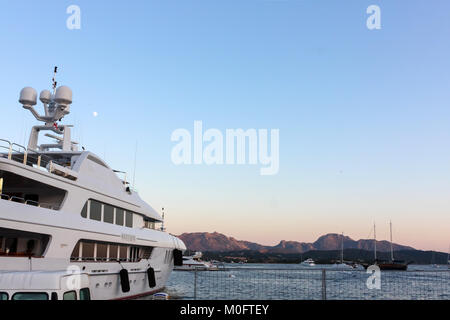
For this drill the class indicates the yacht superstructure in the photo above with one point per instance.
(70, 227)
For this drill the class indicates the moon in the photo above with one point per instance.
(95, 113)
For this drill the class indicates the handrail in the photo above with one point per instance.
(29, 202)
(30, 157)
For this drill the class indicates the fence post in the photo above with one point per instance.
(195, 283)
(324, 284)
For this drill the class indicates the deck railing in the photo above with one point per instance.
(28, 202)
(19, 153)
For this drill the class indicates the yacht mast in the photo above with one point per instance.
(448, 255)
(342, 248)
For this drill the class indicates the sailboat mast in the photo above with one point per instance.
(342, 248)
(375, 240)
(392, 248)
(448, 255)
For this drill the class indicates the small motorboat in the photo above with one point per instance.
(191, 263)
(308, 263)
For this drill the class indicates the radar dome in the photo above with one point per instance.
(45, 96)
(28, 96)
(63, 95)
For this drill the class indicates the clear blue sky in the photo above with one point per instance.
(363, 115)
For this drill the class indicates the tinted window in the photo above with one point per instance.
(3, 296)
(30, 296)
(113, 252)
(88, 251)
(84, 211)
(108, 214)
(96, 211)
(119, 217)
(129, 220)
(71, 295)
(76, 252)
(85, 294)
(102, 251)
(123, 253)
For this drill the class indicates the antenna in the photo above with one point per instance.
(162, 225)
(134, 169)
(54, 83)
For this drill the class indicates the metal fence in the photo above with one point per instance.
(311, 284)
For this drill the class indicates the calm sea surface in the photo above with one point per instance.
(293, 282)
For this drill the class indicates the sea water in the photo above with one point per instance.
(294, 282)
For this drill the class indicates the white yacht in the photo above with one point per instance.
(308, 263)
(195, 262)
(70, 227)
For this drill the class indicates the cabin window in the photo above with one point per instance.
(76, 252)
(123, 253)
(30, 296)
(30, 192)
(84, 211)
(147, 252)
(3, 296)
(129, 220)
(88, 251)
(95, 212)
(119, 217)
(113, 250)
(108, 213)
(16, 243)
(149, 224)
(102, 252)
(70, 295)
(134, 254)
(85, 294)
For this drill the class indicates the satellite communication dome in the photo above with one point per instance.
(45, 96)
(63, 95)
(28, 96)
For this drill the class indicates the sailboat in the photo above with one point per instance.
(392, 264)
(342, 265)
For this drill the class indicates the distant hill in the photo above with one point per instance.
(216, 242)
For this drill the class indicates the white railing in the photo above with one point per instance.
(19, 153)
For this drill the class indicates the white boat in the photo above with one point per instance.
(342, 265)
(308, 262)
(195, 262)
(70, 227)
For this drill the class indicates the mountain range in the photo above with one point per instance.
(216, 242)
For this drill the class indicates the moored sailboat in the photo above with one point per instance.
(392, 264)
